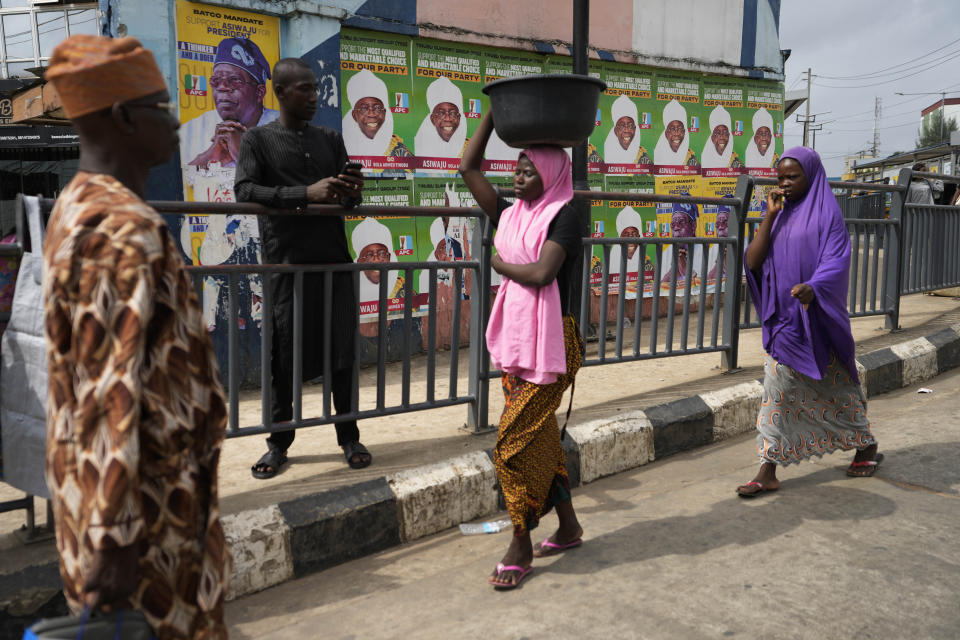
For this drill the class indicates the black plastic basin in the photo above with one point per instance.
(552, 108)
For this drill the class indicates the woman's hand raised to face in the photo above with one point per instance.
(774, 202)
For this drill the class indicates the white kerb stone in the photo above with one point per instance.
(919, 360)
(734, 409)
(438, 496)
(612, 445)
(259, 540)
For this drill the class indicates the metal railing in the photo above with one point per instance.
(380, 404)
(914, 249)
(874, 254)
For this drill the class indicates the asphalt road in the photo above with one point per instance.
(671, 552)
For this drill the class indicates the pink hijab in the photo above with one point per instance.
(525, 330)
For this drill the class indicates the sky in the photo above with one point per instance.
(861, 40)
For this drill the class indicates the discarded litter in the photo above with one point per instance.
(924, 390)
(484, 527)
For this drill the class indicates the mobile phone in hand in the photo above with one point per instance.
(352, 201)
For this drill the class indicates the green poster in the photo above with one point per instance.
(447, 102)
(624, 138)
(385, 238)
(765, 142)
(378, 127)
(724, 117)
(500, 63)
(444, 238)
(677, 124)
(633, 219)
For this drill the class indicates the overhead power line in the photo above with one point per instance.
(911, 73)
(894, 104)
(886, 70)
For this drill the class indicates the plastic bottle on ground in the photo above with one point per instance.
(493, 526)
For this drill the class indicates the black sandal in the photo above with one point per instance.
(269, 464)
(353, 448)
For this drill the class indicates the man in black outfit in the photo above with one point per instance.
(287, 164)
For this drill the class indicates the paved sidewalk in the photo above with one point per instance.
(429, 473)
(670, 552)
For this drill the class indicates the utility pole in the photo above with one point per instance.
(876, 127)
(807, 120)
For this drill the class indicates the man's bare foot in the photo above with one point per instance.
(519, 554)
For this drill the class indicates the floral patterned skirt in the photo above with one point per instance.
(802, 417)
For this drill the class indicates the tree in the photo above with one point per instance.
(929, 133)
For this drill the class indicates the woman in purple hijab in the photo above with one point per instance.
(798, 271)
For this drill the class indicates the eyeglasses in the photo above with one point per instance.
(232, 83)
(368, 256)
(169, 107)
(375, 109)
(446, 113)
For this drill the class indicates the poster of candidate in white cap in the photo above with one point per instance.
(761, 151)
(765, 141)
(448, 98)
(627, 109)
(374, 72)
(374, 241)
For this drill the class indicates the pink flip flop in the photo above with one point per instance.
(547, 548)
(501, 568)
(753, 483)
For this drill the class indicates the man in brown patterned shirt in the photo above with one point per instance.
(135, 412)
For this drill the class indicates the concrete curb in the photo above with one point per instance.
(274, 544)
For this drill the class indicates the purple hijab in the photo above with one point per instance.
(808, 243)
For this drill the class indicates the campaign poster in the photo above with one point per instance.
(679, 136)
(724, 113)
(629, 219)
(225, 59)
(678, 220)
(388, 238)
(498, 64)
(443, 238)
(715, 223)
(375, 82)
(764, 143)
(447, 102)
(624, 136)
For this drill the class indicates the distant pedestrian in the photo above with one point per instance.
(533, 338)
(922, 190)
(798, 271)
(135, 413)
(288, 164)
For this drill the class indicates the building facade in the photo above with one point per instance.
(706, 61)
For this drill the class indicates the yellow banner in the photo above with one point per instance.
(225, 59)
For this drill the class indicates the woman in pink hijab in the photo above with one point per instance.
(534, 340)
